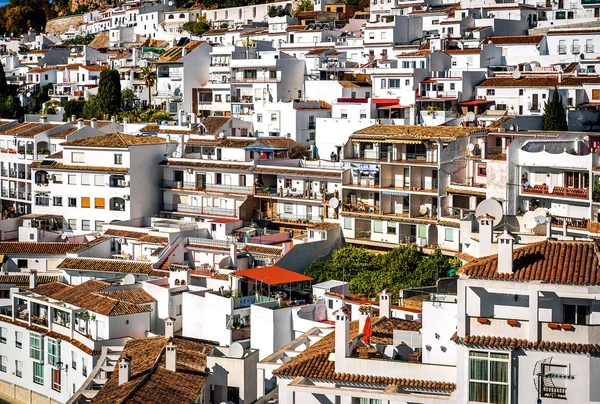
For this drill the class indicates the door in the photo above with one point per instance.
(201, 181)
(218, 154)
(100, 329)
(407, 177)
(534, 102)
(398, 180)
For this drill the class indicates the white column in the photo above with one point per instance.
(533, 315)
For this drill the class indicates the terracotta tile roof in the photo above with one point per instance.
(467, 51)
(89, 244)
(41, 69)
(353, 84)
(516, 40)
(318, 51)
(114, 140)
(216, 31)
(535, 81)
(87, 297)
(153, 128)
(314, 364)
(214, 123)
(324, 226)
(262, 250)
(150, 382)
(134, 296)
(203, 142)
(295, 28)
(157, 252)
(457, 191)
(414, 132)
(417, 53)
(63, 134)
(153, 239)
(28, 130)
(383, 330)
(22, 279)
(203, 164)
(94, 68)
(9, 247)
(125, 233)
(67, 167)
(299, 171)
(551, 261)
(175, 54)
(105, 265)
(515, 343)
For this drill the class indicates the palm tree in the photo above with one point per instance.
(148, 76)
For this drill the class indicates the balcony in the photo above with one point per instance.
(197, 210)
(290, 218)
(194, 186)
(562, 49)
(589, 48)
(561, 192)
(533, 106)
(312, 125)
(572, 223)
(575, 49)
(242, 333)
(244, 99)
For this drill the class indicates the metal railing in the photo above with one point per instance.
(533, 106)
(240, 189)
(245, 99)
(575, 48)
(235, 79)
(571, 222)
(589, 48)
(200, 210)
(562, 48)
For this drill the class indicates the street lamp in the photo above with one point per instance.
(61, 366)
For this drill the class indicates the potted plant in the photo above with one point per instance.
(554, 326)
(513, 323)
(483, 320)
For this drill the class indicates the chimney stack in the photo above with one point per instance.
(169, 327)
(486, 232)
(80, 123)
(94, 123)
(124, 370)
(342, 334)
(73, 118)
(183, 51)
(385, 308)
(505, 253)
(233, 254)
(33, 279)
(171, 357)
(43, 119)
(364, 311)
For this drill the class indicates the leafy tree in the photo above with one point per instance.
(3, 84)
(9, 107)
(148, 76)
(303, 5)
(224, 25)
(180, 3)
(73, 107)
(197, 28)
(278, 11)
(128, 99)
(91, 109)
(109, 92)
(41, 97)
(161, 116)
(49, 108)
(555, 117)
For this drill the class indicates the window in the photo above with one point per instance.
(407, 82)
(383, 83)
(596, 94)
(218, 178)
(99, 180)
(347, 223)
(42, 200)
(433, 22)
(259, 118)
(366, 401)
(344, 113)
(98, 225)
(391, 228)
(74, 360)
(77, 157)
(449, 235)
(83, 367)
(3, 361)
(85, 225)
(488, 377)
(378, 226)
(490, 91)
(99, 203)
(576, 314)
(72, 179)
(454, 63)
(481, 170)
(288, 208)
(178, 310)
(56, 379)
(118, 159)
(85, 201)
(520, 91)
(423, 231)
(72, 202)
(394, 83)
(57, 201)
(85, 179)
(330, 304)
(73, 224)
(273, 117)
(21, 264)
(452, 86)
(57, 178)
(53, 351)
(36, 350)
(19, 368)
(19, 339)
(38, 373)
(3, 333)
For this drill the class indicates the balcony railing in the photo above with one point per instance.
(290, 193)
(563, 192)
(244, 99)
(194, 186)
(533, 106)
(573, 223)
(562, 48)
(199, 210)
(238, 79)
(589, 48)
(575, 49)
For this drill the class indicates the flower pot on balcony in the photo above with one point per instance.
(513, 323)
(483, 320)
(554, 326)
(567, 327)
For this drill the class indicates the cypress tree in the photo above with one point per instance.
(109, 92)
(555, 117)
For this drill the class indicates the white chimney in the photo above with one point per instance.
(183, 52)
(233, 254)
(33, 280)
(385, 308)
(505, 253)
(80, 123)
(43, 119)
(342, 334)
(486, 232)
(364, 311)
(169, 327)
(73, 118)
(171, 357)
(94, 123)
(124, 370)
(560, 76)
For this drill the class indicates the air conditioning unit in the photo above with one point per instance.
(126, 197)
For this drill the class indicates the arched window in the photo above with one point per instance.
(181, 15)
(177, 283)
(117, 204)
(42, 199)
(171, 16)
(182, 283)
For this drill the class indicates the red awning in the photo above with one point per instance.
(396, 106)
(272, 275)
(475, 102)
(382, 102)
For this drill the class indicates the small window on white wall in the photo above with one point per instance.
(347, 223)
(77, 157)
(449, 235)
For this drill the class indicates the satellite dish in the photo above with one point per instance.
(470, 116)
(129, 279)
(540, 215)
(28, 94)
(516, 74)
(529, 220)
(471, 147)
(334, 203)
(423, 209)
(236, 350)
(170, 3)
(73, 50)
(492, 208)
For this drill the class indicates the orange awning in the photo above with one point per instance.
(272, 275)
